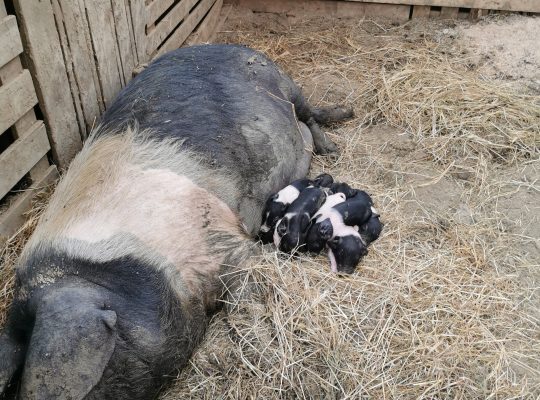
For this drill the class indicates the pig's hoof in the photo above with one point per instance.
(327, 148)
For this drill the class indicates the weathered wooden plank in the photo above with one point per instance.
(301, 8)
(68, 62)
(190, 22)
(207, 27)
(421, 11)
(11, 70)
(156, 9)
(510, 5)
(397, 13)
(13, 218)
(47, 66)
(16, 98)
(225, 11)
(84, 82)
(131, 35)
(123, 39)
(101, 22)
(449, 12)
(156, 36)
(10, 40)
(138, 23)
(22, 155)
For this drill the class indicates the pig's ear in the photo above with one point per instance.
(11, 357)
(70, 348)
(334, 242)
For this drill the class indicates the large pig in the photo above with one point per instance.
(115, 287)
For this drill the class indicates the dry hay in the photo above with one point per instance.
(437, 309)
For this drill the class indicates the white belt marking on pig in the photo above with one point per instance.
(136, 196)
(331, 201)
(287, 195)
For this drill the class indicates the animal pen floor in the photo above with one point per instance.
(446, 139)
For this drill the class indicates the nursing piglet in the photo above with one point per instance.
(292, 229)
(276, 207)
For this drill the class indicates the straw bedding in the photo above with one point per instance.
(446, 303)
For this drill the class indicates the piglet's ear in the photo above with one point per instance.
(334, 242)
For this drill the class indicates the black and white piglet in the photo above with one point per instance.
(277, 204)
(337, 226)
(291, 230)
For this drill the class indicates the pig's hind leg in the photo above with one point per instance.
(312, 117)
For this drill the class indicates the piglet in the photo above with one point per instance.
(323, 180)
(321, 230)
(342, 187)
(291, 230)
(371, 230)
(276, 207)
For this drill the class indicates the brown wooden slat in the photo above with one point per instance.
(168, 23)
(101, 22)
(207, 27)
(66, 51)
(510, 5)
(300, 8)
(123, 39)
(13, 218)
(39, 33)
(16, 98)
(421, 11)
(10, 40)
(449, 12)
(183, 31)
(22, 155)
(138, 23)
(79, 46)
(155, 9)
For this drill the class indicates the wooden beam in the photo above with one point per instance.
(206, 28)
(101, 21)
(299, 8)
(138, 23)
(509, 5)
(22, 155)
(449, 12)
(17, 97)
(10, 40)
(169, 23)
(188, 25)
(421, 11)
(46, 61)
(13, 218)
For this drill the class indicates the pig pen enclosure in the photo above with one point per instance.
(445, 137)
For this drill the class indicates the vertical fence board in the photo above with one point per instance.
(10, 40)
(48, 69)
(138, 21)
(101, 22)
(123, 39)
(82, 60)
